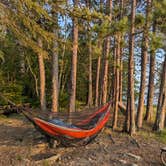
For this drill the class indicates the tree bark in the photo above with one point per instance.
(106, 58)
(42, 78)
(105, 74)
(121, 75)
(55, 86)
(97, 78)
(90, 97)
(121, 54)
(113, 77)
(126, 126)
(115, 115)
(143, 68)
(130, 96)
(161, 106)
(98, 72)
(149, 107)
(74, 63)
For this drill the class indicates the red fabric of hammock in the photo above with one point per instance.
(76, 132)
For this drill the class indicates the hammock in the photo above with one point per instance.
(78, 128)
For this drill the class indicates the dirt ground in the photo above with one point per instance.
(22, 145)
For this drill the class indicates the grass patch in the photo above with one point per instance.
(18, 157)
(2, 117)
(12, 116)
(147, 134)
(45, 163)
(16, 116)
(161, 136)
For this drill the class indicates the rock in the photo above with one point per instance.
(69, 157)
(134, 164)
(90, 159)
(133, 156)
(123, 161)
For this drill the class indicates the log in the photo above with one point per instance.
(10, 109)
(50, 159)
(136, 157)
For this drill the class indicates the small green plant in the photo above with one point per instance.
(18, 157)
(45, 163)
(2, 117)
(162, 136)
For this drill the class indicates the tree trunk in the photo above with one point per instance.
(62, 64)
(130, 96)
(126, 126)
(113, 76)
(42, 78)
(55, 86)
(98, 77)
(115, 115)
(74, 63)
(106, 58)
(149, 108)
(90, 98)
(105, 72)
(121, 54)
(143, 68)
(99, 72)
(121, 75)
(161, 106)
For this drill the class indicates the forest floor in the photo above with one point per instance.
(21, 145)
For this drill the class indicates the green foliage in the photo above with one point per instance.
(12, 91)
(22, 22)
(160, 13)
(156, 41)
(139, 21)
(63, 99)
(19, 23)
(121, 26)
(96, 51)
(102, 29)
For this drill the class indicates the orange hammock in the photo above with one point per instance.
(78, 128)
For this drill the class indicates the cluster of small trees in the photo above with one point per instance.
(85, 51)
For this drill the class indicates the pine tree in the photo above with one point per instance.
(150, 97)
(161, 106)
(42, 78)
(99, 43)
(90, 97)
(130, 113)
(144, 55)
(55, 86)
(106, 58)
(98, 76)
(74, 63)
